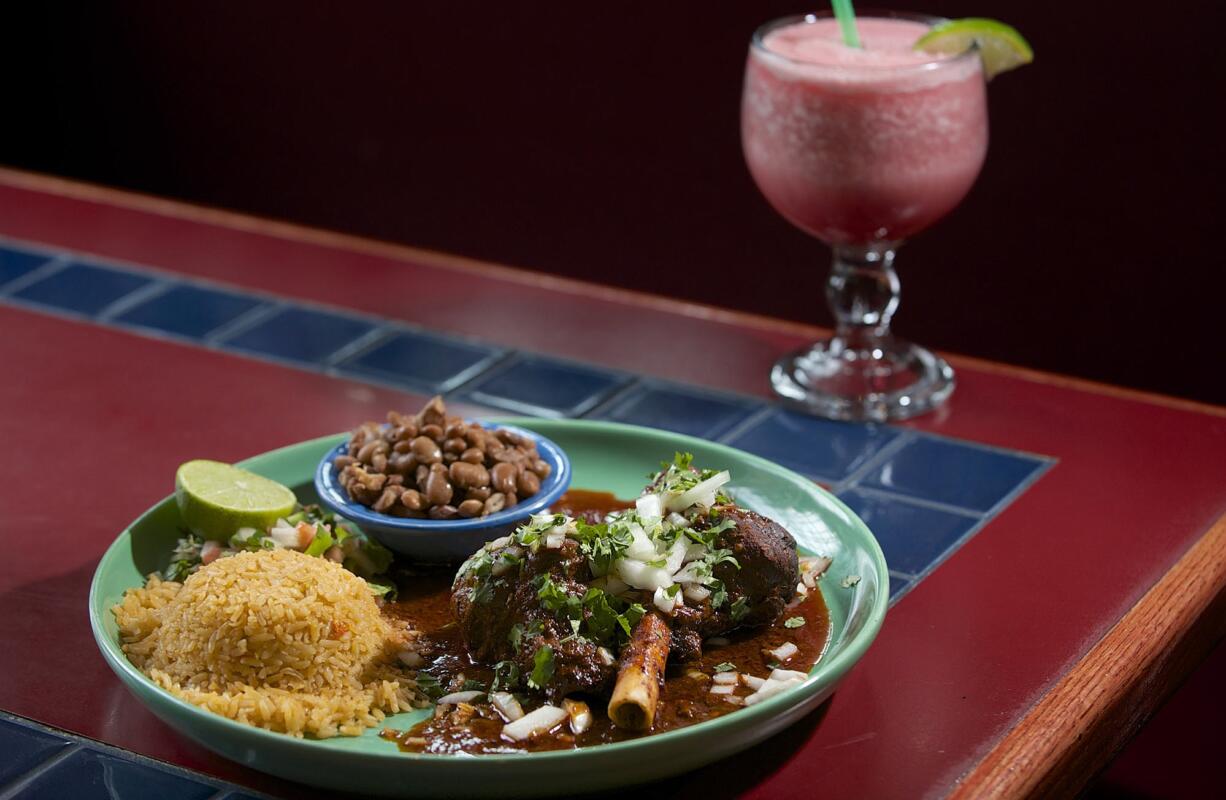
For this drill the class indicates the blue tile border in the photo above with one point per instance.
(675, 407)
(45, 762)
(924, 494)
(544, 386)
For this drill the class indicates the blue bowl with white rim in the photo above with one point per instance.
(444, 540)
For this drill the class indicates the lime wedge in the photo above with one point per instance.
(1001, 47)
(217, 499)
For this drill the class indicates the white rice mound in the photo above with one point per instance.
(276, 639)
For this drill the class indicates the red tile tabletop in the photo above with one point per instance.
(1017, 665)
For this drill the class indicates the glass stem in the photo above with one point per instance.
(863, 293)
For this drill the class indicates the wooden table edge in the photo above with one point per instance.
(1090, 713)
(191, 212)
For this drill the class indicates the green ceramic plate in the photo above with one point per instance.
(604, 456)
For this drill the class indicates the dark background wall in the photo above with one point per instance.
(601, 141)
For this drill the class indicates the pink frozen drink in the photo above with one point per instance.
(862, 145)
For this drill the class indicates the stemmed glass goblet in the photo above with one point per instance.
(862, 148)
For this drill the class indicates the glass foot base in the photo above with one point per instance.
(890, 381)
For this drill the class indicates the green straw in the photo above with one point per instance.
(847, 22)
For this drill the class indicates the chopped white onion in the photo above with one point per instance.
(694, 551)
(664, 602)
(770, 689)
(580, 715)
(787, 675)
(284, 536)
(614, 585)
(676, 554)
(411, 658)
(785, 651)
(641, 547)
(459, 697)
(648, 505)
(752, 681)
(243, 534)
(506, 705)
(678, 520)
(606, 657)
(553, 541)
(722, 688)
(735, 699)
(725, 677)
(641, 576)
(701, 494)
(696, 593)
(541, 720)
(501, 541)
(801, 589)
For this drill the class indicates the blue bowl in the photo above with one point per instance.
(440, 540)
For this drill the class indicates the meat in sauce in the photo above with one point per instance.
(708, 646)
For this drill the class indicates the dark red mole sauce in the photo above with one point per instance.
(684, 700)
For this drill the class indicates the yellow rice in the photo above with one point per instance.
(275, 639)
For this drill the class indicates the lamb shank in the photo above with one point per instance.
(585, 605)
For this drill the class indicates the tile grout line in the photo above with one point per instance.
(131, 300)
(618, 394)
(217, 337)
(884, 453)
(78, 743)
(372, 338)
(921, 502)
(22, 782)
(45, 270)
(754, 418)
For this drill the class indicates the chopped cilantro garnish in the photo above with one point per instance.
(382, 588)
(850, 581)
(179, 570)
(506, 676)
(794, 622)
(518, 632)
(429, 685)
(725, 666)
(740, 607)
(471, 685)
(542, 668)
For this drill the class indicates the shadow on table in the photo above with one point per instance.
(736, 774)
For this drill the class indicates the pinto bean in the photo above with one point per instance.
(412, 500)
(503, 477)
(470, 508)
(469, 476)
(528, 483)
(438, 488)
(388, 499)
(541, 468)
(402, 463)
(495, 503)
(472, 455)
(426, 450)
(481, 493)
(435, 432)
(442, 512)
(455, 445)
